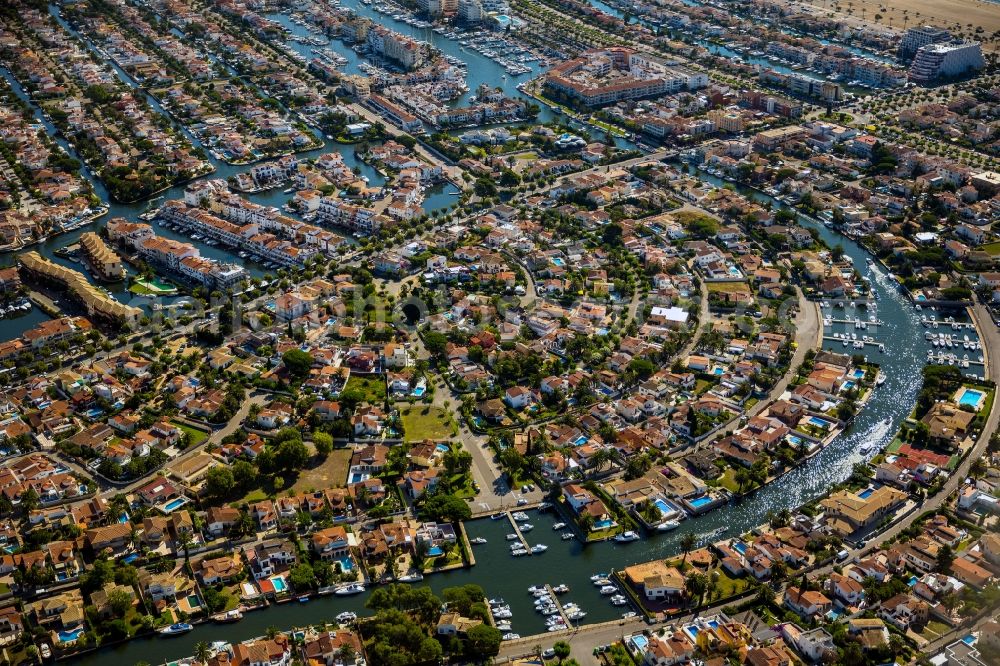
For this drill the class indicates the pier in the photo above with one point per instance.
(877, 322)
(850, 342)
(517, 530)
(562, 613)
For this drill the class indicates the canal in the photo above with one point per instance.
(571, 562)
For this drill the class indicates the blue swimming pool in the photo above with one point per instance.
(419, 391)
(558, 261)
(639, 642)
(662, 506)
(279, 584)
(717, 370)
(795, 440)
(70, 636)
(818, 422)
(358, 477)
(740, 547)
(581, 440)
(848, 385)
(441, 447)
(435, 551)
(130, 558)
(858, 373)
(346, 563)
(603, 524)
(971, 397)
(866, 493)
(175, 503)
(699, 502)
(969, 640)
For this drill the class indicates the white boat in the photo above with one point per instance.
(176, 629)
(562, 588)
(498, 516)
(519, 552)
(512, 537)
(618, 600)
(567, 536)
(600, 576)
(352, 588)
(527, 527)
(478, 540)
(539, 548)
(411, 578)
(608, 589)
(497, 602)
(503, 626)
(520, 516)
(346, 617)
(233, 615)
(511, 636)
(559, 526)
(627, 537)
(536, 588)
(668, 525)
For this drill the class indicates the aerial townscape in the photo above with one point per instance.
(528, 332)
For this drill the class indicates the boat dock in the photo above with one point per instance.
(555, 597)
(850, 343)
(517, 530)
(877, 322)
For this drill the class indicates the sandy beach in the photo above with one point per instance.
(945, 13)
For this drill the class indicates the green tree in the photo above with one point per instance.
(562, 650)
(323, 443)
(297, 362)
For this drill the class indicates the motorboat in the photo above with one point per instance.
(539, 548)
(600, 576)
(512, 537)
(668, 525)
(478, 540)
(352, 588)
(527, 527)
(346, 617)
(497, 602)
(176, 629)
(536, 588)
(562, 588)
(234, 615)
(608, 589)
(626, 537)
(618, 600)
(559, 526)
(520, 516)
(601, 582)
(567, 536)
(510, 637)
(411, 578)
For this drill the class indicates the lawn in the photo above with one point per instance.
(196, 436)
(428, 422)
(728, 586)
(728, 480)
(993, 249)
(331, 473)
(702, 385)
(371, 388)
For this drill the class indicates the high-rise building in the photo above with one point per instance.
(935, 61)
(921, 36)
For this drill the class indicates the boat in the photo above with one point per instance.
(411, 578)
(176, 629)
(559, 526)
(304, 598)
(346, 617)
(527, 527)
(512, 537)
(498, 516)
(627, 537)
(566, 536)
(520, 516)
(602, 582)
(608, 589)
(478, 540)
(519, 552)
(497, 602)
(503, 626)
(229, 616)
(668, 525)
(510, 637)
(536, 588)
(352, 588)
(561, 588)
(618, 600)
(599, 576)
(539, 548)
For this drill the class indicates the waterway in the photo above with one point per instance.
(573, 563)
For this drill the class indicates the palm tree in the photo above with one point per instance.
(687, 543)
(202, 652)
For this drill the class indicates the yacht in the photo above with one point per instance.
(346, 617)
(527, 527)
(478, 540)
(229, 616)
(411, 578)
(559, 526)
(627, 537)
(352, 588)
(566, 536)
(520, 516)
(176, 629)
(608, 589)
(539, 548)
(561, 588)
(512, 537)
(668, 525)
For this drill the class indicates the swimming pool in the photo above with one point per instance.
(699, 502)
(581, 440)
(603, 524)
(794, 440)
(279, 583)
(419, 391)
(435, 551)
(848, 385)
(858, 373)
(558, 261)
(358, 477)
(194, 601)
(174, 504)
(740, 547)
(70, 636)
(971, 397)
(818, 422)
(346, 563)
(717, 370)
(441, 447)
(866, 493)
(662, 506)
(639, 642)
